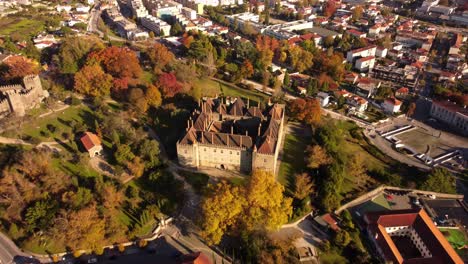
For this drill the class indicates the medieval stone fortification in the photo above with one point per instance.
(226, 133)
(19, 98)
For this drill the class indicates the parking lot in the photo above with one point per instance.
(449, 209)
(445, 212)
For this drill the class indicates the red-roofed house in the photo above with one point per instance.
(327, 221)
(92, 144)
(391, 105)
(402, 92)
(365, 64)
(357, 34)
(357, 102)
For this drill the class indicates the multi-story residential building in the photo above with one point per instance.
(163, 8)
(243, 19)
(451, 114)
(189, 13)
(228, 134)
(365, 64)
(407, 76)
(156, 25)
(285, 31)
(138, 9)
(362, 52)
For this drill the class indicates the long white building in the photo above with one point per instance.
(156, 25)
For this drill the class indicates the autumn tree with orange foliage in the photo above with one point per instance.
(91, 80)
(118, 62)
(247, 69)
(160, 56)
(330, 8)
(266, 48)
(17, 67)
(306, 110)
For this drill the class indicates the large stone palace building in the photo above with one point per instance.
(19, 98)
(228, 134)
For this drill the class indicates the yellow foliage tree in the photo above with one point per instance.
(258, 205)
(266, 206)
(221, 211)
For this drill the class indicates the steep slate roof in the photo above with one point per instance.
(254, 111)
(437, 244)
(237, 108)
(224, 139)
(276, 111)
(90, 140)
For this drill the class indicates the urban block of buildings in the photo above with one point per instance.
(18, 98)
(409, 236)
(227, 133)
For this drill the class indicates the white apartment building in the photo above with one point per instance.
(451, 114)
(156, 25)
(362, 52)
(285, 31)
(365, 64)
(163, 8)
(138, 9)
(189, 13)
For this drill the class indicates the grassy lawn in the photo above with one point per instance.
(456, 237)
(42, 246)
(54, 126)
(332, 258)
(238, 181)
(22, 26)
(198, 181)
(211, 87)
(292, 161)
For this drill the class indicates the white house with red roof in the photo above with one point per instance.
(356, 33)
(365, 64)
(92, 144)
(402, 92)
(359, 103)
(391, 105)
(362, 52)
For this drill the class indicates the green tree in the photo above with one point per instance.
(341, 238)
(73, 51)
(40, 215)
(123, 154)
(148, 150)
(176, 29)
(440, 180)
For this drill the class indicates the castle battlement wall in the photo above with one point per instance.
(20, 98)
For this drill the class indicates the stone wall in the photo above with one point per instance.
(21, 98)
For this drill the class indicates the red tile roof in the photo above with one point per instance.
(393, 101)
(434, 240)
(90, 140)
(330, 220)
(402, 90)
(195, 258)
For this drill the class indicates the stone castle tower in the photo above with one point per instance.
(19, 98)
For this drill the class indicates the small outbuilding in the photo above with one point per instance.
(92, 144)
